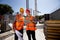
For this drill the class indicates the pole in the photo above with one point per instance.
(35, 7)
(27, 4)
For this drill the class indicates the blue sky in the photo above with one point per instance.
(44, 6)
(15, 4)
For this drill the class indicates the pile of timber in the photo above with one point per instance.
(52, 30)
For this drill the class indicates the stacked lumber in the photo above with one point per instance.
(52, 30)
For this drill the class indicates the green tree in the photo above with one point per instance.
(40, 17)
(4, 8)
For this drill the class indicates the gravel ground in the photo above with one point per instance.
(39, 34)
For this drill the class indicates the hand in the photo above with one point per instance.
(13, 30)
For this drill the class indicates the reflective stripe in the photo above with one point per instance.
(31, 26)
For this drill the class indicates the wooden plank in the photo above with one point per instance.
(58, 34)
(51, 36)
(53, 21)
(53, 31)
(53, 25)
(53, 28)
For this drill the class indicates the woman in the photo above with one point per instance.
(18, 24)
(31, 26)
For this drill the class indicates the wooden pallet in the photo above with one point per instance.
(52, 30)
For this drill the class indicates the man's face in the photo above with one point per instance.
(21, 14)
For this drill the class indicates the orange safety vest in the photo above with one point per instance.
(30, 25)
(19, 24)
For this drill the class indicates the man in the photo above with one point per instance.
(18, 24)
(31, 26)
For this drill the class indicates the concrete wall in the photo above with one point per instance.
(55, 15)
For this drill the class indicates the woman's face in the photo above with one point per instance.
(27, 12)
